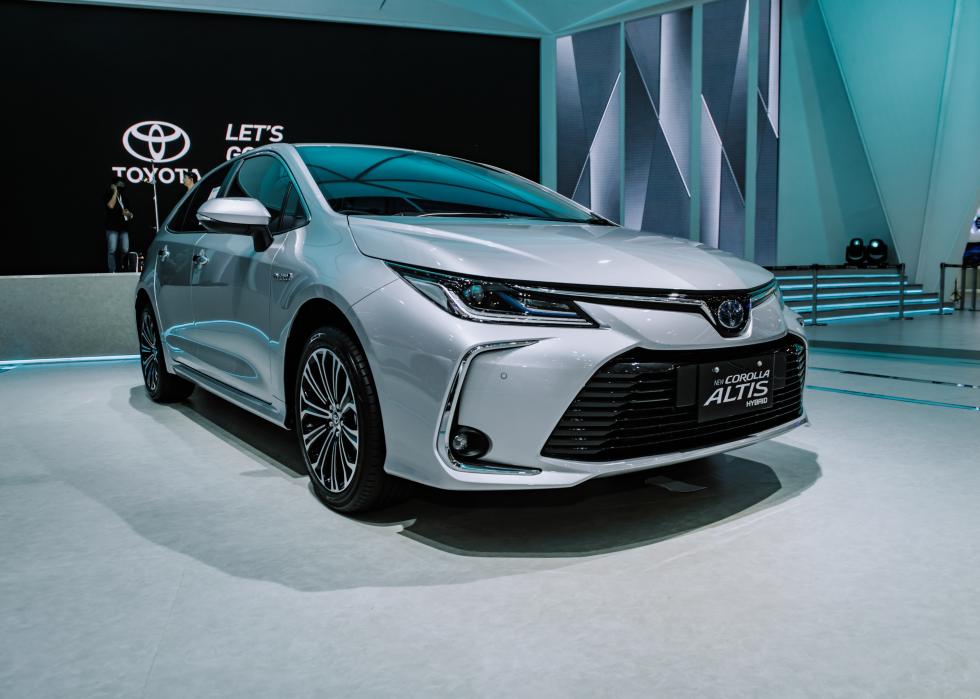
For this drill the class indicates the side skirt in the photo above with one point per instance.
(232, 395)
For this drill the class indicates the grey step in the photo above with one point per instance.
(840, 279)
(871, 290)
(823, 304)
(842, 283)
(881, 315)
(828, 268)
(879, 312)
(804, 274)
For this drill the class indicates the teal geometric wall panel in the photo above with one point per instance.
(893, 58)
(827, 192)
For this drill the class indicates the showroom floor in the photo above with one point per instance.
(175, 551)
(953, 336)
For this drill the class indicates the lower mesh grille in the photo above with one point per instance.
(642, 404)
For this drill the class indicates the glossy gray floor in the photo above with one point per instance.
(956, 336)
(176, 552)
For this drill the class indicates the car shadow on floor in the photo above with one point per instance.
(599, 516)
(604, 514)
(277, 446)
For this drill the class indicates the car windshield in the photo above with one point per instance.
(368, 181)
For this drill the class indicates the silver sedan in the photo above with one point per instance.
(414, 316)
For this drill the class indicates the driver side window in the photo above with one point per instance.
(265, 178)
(184, 220)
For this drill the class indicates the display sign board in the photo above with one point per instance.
(97, 94)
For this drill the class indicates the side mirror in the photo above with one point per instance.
(238, 215)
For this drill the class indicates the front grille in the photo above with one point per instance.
(643, 403)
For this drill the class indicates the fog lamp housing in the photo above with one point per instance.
(469, 443)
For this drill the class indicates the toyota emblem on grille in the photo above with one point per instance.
(731, 314)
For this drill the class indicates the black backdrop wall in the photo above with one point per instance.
(77, 78)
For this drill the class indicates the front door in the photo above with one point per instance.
(176, 245)
(174, 308)
(232, 283)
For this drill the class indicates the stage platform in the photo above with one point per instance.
(954, 336)
(67, 315)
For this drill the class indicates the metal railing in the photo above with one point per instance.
(787, 268)
(902, 283)
(814, 314)
(814, 270)
(943, 266)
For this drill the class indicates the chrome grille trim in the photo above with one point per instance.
(703, 302)
(690, 299)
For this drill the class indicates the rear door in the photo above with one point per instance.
(174, 264)
(232, 283)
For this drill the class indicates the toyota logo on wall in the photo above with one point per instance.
(156, 141)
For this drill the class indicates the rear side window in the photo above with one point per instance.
(185, 219)
(265, 178)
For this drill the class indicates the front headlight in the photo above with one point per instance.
(491, 301)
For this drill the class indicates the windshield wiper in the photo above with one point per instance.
(593, 220)
(471, 214)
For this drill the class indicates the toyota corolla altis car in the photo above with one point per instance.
(416, 316)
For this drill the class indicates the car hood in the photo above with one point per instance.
(556, 253)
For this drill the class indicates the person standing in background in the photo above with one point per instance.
(117, 218)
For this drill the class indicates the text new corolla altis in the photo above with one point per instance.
(416, 316)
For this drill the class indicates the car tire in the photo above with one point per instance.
(161, 385)
(337, 419)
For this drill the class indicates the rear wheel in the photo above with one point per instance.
(161, 385)
(338, 424)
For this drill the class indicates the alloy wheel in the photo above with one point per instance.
(149, 352)
(328, 420)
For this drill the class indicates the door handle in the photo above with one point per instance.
(200, 259)
(163, 254)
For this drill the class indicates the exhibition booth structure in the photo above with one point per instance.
(741, 125)
(480, 348)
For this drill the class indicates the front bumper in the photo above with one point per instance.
(514, 383)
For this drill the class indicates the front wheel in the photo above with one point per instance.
(338, 424)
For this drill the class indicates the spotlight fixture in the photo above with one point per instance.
(877, 252)
(855, 253)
